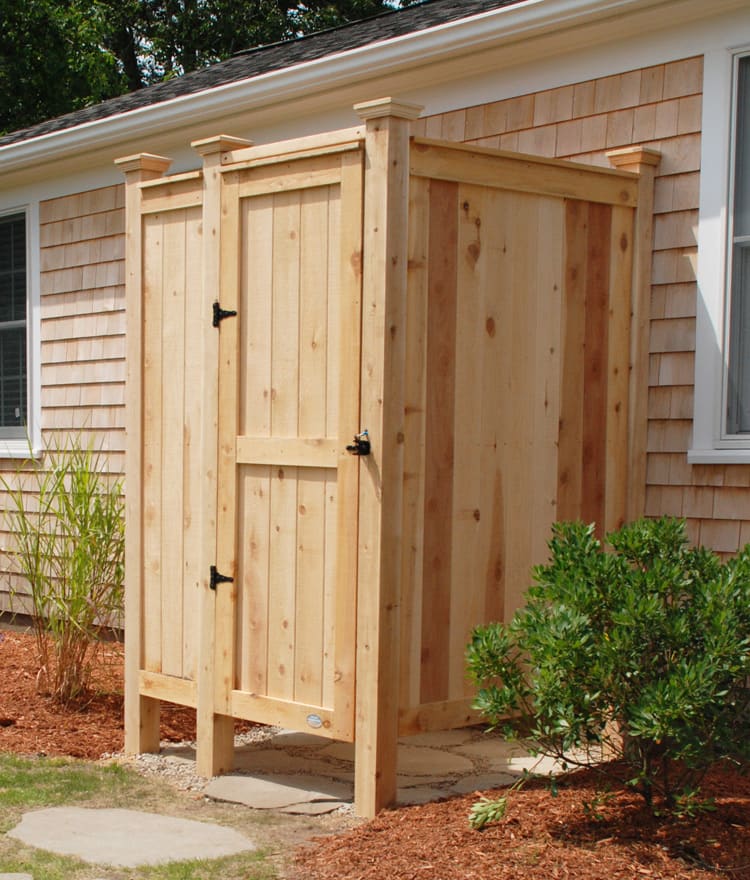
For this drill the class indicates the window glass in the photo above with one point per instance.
(13, 297)
(742, 151)
(738, 387)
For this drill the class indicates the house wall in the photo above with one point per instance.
(82, 278)
(82, 316)
(658, 107)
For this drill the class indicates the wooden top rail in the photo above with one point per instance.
(173, 193)
(170, 179)
(296, 148)
(484, 166)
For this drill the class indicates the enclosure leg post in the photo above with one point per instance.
(385, 242)
(215, 750)
(141, 725)
(642, 161)
(214, 732)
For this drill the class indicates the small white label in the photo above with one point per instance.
(315, 721)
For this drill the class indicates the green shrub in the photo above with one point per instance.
(640, 654)
(67, 527)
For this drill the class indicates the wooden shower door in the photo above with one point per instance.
(288, 407)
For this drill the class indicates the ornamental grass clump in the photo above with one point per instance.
(639, 654)
(66, 521)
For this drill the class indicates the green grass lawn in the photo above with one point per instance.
(34, 783)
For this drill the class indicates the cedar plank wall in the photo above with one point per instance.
(82, 286)
(658, 107)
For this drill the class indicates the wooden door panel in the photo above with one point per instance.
(298, 281)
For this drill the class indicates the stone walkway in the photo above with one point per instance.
(306, 774)
(289, 772)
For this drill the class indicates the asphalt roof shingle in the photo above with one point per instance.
(266, 59)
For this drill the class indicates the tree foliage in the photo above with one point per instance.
(60, 55)
(641, 653)
(51, 61)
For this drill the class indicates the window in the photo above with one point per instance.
(738, 374)
(721, 416)
(13, 318)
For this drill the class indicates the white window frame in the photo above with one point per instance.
(711, 443)
(23, 447)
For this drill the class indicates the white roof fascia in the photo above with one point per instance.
(470, 35)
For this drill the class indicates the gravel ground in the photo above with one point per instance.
(176, 761)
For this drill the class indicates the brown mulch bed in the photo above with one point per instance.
(541, 837)
(33, 724)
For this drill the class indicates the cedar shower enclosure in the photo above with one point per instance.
(481, 315)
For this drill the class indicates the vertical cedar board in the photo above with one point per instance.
(285, 341)
(414, 444)
(195, 327)
(570, 440)
(312, 406)
(175, 250)
(469, 553)
(439, 439)
(152, 492)
(595, 366)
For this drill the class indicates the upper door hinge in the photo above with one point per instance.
(220, 314)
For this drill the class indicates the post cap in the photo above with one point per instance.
(143, 162)
(387, 107)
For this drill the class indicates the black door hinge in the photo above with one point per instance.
(220, 314)
(216, 578)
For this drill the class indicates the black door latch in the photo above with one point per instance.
(361, 445)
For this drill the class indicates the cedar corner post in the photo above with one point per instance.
(384, 283)
(141, 713)
(643, 162)
(214, 722)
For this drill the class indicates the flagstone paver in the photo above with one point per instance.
(279, 792)
(483, 782)
(430, 761)
(126, 838)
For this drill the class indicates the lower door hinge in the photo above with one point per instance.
(216, 577)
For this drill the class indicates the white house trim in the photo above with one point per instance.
(710, 445)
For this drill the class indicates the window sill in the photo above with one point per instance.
(718, 456)
(19, 450)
